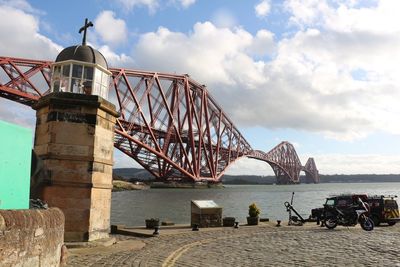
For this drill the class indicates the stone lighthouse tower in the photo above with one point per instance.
(74, 137)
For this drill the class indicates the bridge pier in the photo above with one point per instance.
(74, 137)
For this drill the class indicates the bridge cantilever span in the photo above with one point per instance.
(284, 162)
(168, 123)
(311, 171)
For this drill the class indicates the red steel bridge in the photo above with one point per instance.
(168, 123)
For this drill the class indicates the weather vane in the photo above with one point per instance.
(84, 29)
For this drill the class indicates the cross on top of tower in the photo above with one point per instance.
(84, 29)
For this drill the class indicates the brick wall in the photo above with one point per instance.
(31, 237)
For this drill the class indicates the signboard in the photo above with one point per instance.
(205, 203)
(205, 213)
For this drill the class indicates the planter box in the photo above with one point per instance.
(253, 220)
(228, 221)
(151, 224)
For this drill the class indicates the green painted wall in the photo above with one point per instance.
(15, 166)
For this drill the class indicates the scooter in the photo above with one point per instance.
(349, 216)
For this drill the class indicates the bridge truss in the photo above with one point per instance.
(311, 171)
(168, 123)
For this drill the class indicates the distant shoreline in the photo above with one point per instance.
(136, 174)
(119, 185)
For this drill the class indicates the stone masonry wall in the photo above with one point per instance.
(31, 237)
(75, 139)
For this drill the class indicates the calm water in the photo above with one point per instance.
(133, 207)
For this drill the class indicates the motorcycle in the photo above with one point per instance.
(349, 216)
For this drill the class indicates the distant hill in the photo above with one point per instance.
(360, 178)
(248, 179)
(132, 174)
(137, 174)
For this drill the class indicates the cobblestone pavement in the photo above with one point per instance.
(258, 246)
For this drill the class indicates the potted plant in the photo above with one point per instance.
(253, 218)
(152, 223)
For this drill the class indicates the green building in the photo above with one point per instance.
(15, 166)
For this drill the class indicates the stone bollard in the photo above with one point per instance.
(156, 230)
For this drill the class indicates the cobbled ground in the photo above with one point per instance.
(256, 246)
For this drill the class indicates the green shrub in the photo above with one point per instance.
(254, 211)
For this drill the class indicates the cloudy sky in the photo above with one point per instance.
(321, 74)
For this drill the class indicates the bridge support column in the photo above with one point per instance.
(75, 139)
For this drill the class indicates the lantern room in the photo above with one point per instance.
(81, 69)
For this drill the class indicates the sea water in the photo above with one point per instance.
(133, 207)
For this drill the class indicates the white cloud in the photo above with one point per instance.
(187, 3)
(152, 5)
(246, 166)
(310, 80)
(24, 41)
(379, 19)
(348, 40)
(23, 38)
(114, 60)
(357, 164)
(21, 5)
(263, 8)
(16, 113)
(112, 31)
(327, 164)
(263, 43)
(211, 55)
(123, 161)
(307, 11)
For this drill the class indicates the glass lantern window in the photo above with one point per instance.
(77, 71)
(88, 73)
(80, 78)
(65, 70)
(101, 83)
(57, 71)
(64, 84)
